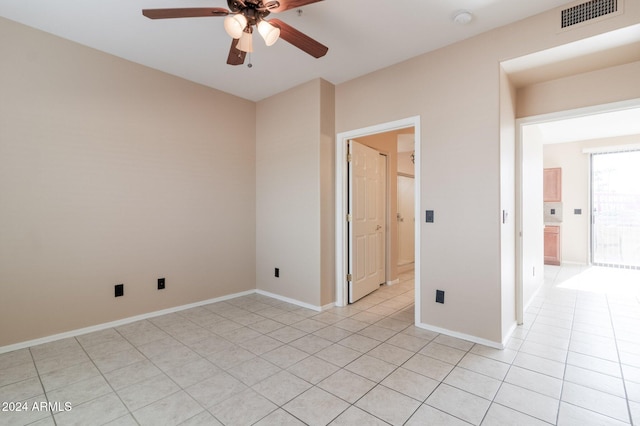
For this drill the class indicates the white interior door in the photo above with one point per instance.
(367, 207)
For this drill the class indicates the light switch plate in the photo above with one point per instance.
(429, 216)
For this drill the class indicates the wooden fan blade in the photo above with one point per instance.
(291, 4)
(190, 12)
(300, 40)
(236, 57)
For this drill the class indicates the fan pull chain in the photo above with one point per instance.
(249, 64)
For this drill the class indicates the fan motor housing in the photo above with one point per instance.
(253, 10)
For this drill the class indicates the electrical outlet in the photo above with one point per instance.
(277, 273)
(440, 296)
(160, 283)
(119, 290)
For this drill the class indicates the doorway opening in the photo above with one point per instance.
(561, 129)
(343, 259)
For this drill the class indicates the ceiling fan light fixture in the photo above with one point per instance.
(269, 33)
(234, 25)
(245, 43)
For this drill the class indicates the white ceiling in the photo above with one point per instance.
(362, 36)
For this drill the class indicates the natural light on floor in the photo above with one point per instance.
(597, 279)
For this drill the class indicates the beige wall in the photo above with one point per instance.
(452, 90)
(405, 165)
(294, 164)
(456, 92)
(603, 86)
(574, 229)
(327, 193)
(111, 173)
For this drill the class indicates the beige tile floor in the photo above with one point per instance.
(257, 360)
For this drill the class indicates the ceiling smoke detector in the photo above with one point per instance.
(462, 17)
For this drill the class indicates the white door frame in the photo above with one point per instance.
(537, 119)
(342, 202)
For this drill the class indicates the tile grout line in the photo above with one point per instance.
(624, 383)
(35, 366)
(493, 401)
(248, 308)
(566, 360)
(378, 383)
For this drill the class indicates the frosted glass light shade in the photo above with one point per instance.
(245, 43)
(269, 33)
(234, 25)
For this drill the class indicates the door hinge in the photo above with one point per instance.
(348, 217)
(349, 278)
(348, 157)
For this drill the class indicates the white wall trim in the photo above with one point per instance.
(327, 306)
(342, 202)
(473, 339)
(396, 281)
(513, 328)
(296, 302)
(129, 320)
(118, 323)
(533, 297)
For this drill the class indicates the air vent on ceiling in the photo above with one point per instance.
(587, 11)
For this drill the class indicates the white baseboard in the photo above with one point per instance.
(474, 339)
(328, 306)
(531, 299)
(129, 320)
(117, 323)
(513, 328)
(406, 267)
(296, 302)
(396, 281)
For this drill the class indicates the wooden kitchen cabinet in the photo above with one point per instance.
(553, 185)
(552, 245)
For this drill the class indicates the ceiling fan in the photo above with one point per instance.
(240, 19)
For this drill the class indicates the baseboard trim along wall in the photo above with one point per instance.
(512, 329)
(118, 323)
(296, 302)
(473, 339)
(129, 320)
